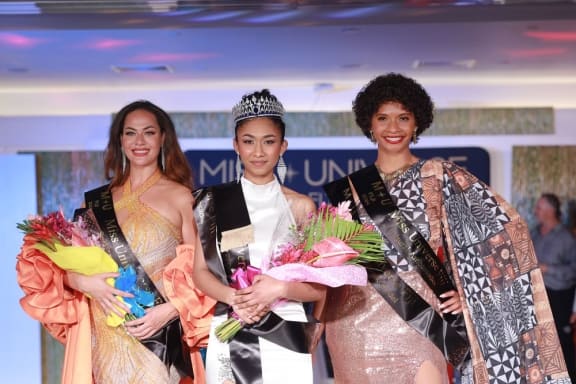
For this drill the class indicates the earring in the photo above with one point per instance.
(238, 168)
(162, 159)
(414, 136)
(123, 161)
(281, 169)
(372, 139)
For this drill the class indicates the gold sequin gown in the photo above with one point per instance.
(118, 358)
(369, 342)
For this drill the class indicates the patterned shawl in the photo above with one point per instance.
(509, 321)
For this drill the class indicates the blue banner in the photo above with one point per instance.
(309, 170)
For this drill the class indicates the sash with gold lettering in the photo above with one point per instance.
(225, 231)
(167, 343)
(448, 333)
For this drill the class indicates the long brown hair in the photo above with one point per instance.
(177, 167)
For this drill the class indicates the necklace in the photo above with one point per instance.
(388, 177)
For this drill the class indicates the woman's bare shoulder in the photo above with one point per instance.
(300, 204)
(176, 192)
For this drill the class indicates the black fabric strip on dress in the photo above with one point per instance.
(100, 202)
(223, 207)
(448, 333)
(168, 343)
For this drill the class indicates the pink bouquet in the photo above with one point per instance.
(53, 229)
(329, 248)
(70, 245)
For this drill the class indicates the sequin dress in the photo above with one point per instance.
(116, 356)
(368, 341)
(488, 250)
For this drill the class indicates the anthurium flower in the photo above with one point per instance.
(328, 248)
(332, 252)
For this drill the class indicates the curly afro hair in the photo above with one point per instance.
(393, 87)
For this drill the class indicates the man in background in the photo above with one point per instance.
(556, 252)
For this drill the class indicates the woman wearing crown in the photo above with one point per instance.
(238, 223)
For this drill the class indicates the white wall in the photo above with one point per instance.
(20, 354)
(89, 132)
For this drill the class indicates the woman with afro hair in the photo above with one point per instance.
(458, 285)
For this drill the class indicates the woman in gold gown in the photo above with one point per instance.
(150, 190)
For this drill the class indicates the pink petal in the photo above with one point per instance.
(332, 252)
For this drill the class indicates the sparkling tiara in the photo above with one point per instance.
(257, 104)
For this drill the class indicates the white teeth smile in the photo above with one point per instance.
(393, 140)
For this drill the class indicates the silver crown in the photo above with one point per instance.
(255, 106)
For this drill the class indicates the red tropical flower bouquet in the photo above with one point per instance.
(329, 248)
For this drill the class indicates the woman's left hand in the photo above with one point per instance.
(154, 319)
(451, 303)
(263, 292)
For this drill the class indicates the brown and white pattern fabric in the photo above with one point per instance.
(508, 318)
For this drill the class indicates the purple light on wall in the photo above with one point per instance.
(112, 44)
(17, 40)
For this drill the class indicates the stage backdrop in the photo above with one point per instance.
(544, 169)
(309, 170)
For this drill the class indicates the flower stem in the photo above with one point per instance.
(228, 329)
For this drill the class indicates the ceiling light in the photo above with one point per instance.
(141, 68)
(161, 6)
(323, 87)
(19, 8)
(424, 64)
(350, 30)
(351, 66)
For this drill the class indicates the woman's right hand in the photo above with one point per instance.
(96, 287)
(247, 314)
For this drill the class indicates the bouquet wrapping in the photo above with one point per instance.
(76, 246)
(329, 248)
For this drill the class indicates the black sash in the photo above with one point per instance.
(168, 343)
(218, 209)
(448, 333)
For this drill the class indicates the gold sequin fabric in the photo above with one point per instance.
(370, 344)
(118, 358)
(368, 341)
